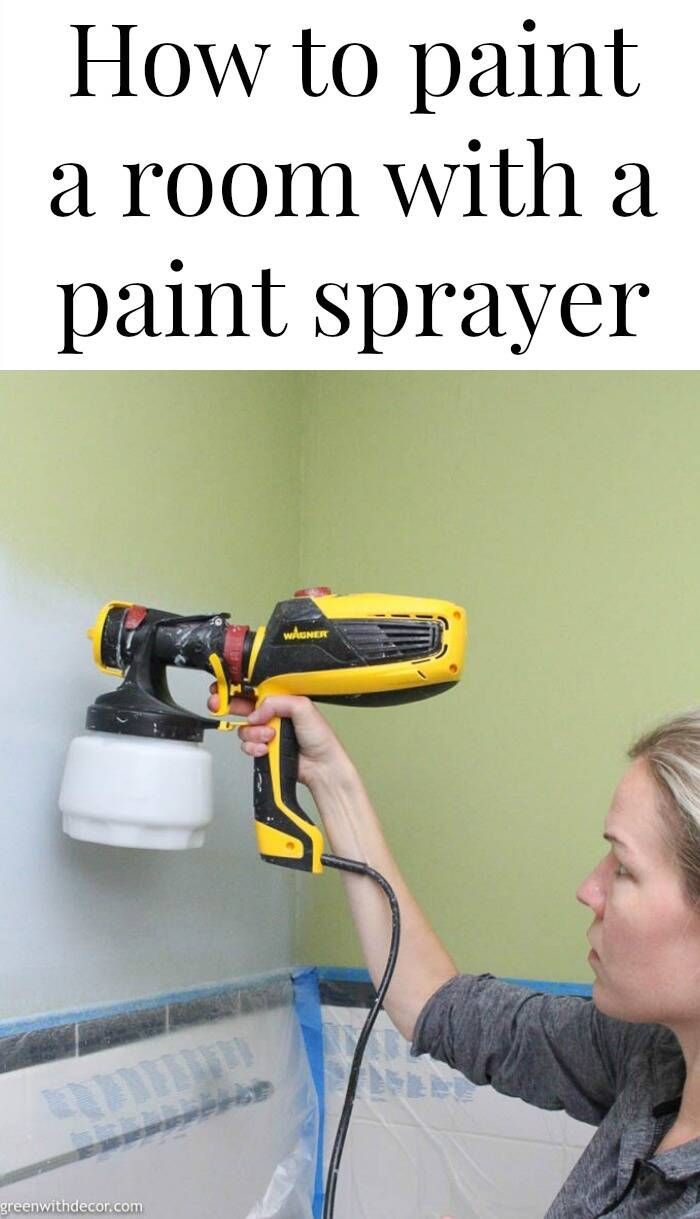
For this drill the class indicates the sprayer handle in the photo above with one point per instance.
(284, 832)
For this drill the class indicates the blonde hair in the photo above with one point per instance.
(672, 753)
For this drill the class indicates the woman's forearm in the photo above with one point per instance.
(353, 831)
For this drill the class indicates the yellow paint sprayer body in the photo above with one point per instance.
(359, 650)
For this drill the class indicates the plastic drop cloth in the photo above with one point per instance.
(289, 1191)
(424, 1142)
(218, 1118)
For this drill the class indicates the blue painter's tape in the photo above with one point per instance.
(307, 1003)
(341, 973)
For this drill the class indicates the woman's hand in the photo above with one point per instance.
(321, 756)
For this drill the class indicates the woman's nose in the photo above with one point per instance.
(591, 892)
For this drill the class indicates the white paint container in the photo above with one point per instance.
(130, 791)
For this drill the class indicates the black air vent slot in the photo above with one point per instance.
(387, 639)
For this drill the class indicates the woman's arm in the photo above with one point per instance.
(353, 831)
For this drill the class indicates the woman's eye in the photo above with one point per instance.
(621, 870)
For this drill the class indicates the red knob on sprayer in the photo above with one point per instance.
(321, 591)
(234, 643)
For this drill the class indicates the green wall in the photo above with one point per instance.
(564, 511)
(181, 491)
(181, 483)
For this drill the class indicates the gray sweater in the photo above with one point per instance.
(560, 1052)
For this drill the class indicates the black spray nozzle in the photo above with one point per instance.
(186, 642)
(141, 643)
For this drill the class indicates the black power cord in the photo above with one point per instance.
(361, 869)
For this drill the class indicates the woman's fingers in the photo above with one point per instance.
(318, 745)
(257, 736)
(292, 705)
(237, 706)
(254, 749)
(256, 741)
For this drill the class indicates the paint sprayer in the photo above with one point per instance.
(140, 776)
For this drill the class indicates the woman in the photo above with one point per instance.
(629, 1062)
